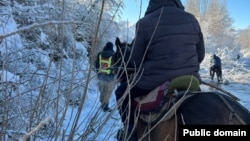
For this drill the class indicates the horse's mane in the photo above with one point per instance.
(122, 58)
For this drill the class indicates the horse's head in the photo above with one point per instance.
(121, 59)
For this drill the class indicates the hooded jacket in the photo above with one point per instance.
(172, 42)
(106, 52)
(216, 61)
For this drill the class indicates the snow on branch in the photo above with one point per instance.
(27, 135)
(38, 25)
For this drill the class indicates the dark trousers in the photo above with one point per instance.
(213, 69)
(125, 109)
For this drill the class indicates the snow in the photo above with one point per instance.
(6, 76)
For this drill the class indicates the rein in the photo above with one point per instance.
(218, 88)
(232, 113)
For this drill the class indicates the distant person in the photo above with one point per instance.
(105, 75)
(216, 67)
(238, 57)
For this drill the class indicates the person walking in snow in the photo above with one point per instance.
(105, 75)
(216, 67)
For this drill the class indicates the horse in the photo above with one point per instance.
(215, 70)
(195, 108)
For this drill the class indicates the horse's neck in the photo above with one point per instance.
(123, 80)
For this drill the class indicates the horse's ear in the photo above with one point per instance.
(117, 42)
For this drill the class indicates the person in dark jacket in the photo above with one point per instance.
(216, 66)
(168, 43)
(105, 75)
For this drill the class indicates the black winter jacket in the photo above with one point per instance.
(173, 43)
(216, 61)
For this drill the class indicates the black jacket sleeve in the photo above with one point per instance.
(201, 48)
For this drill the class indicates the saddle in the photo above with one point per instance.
(165, 99)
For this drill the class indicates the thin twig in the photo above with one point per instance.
(27, 135)
(218, 88)
(38, 25)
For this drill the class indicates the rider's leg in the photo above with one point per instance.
(127, 112)
(123, 102)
